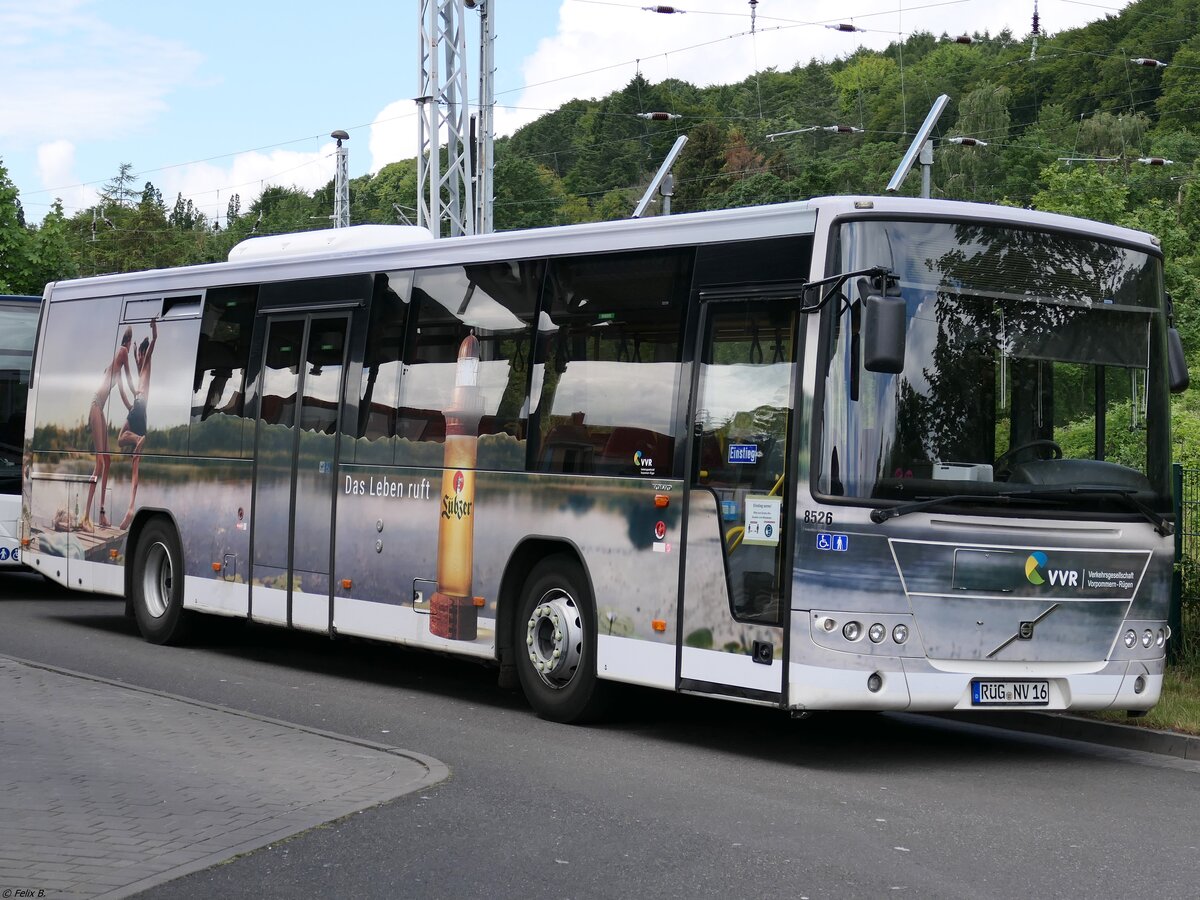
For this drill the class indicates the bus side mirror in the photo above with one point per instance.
(883, 335)
(1176, 362)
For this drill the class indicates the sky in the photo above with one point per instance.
(217, 98)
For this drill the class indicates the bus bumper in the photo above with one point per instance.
(923, 685)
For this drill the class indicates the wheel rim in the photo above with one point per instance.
(158, 578)
(554, 638)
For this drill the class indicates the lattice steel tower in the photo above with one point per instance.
(447, 186)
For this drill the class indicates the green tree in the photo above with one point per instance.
(52, 259)
(972, 172)
(15, 269)
(1084, 191)
(119, 190)
(1180, 90)
(867, 88)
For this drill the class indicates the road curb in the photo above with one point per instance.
(436, 770)
(1092, 731)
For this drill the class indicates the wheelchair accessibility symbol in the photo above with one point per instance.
(838, 543)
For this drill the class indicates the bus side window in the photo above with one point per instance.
(219, 386)
(82, 345)
(493, 304)
(608, 367)
(372, 438)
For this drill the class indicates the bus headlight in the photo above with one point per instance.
(852, 631)
(1160, 639)
(1130, 639)
(877, 633)
(1147, 638)
(900, 634)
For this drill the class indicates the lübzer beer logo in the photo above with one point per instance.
(455, 507)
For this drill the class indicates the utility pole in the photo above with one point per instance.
(341, 182)
(443, 109)
(485, 161)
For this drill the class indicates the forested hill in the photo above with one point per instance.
(1079, 95)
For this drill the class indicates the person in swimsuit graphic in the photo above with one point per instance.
(99, 426)
(133, 432)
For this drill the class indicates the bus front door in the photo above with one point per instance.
(737, 562)
(304, 358)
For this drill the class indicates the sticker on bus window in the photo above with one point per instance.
(762, 521)
(740, 454)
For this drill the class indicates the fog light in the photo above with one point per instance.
(1139, 684)
(1160, 639)
(1147, 638)
(874, 682)
(1130, 638)
(877, 633)
(852, 631)
(900, 634)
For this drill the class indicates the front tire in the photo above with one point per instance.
(158, 585)
(555, 638)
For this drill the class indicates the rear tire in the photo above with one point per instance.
(158, 585)
(554, 635)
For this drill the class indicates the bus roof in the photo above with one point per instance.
(322, 254)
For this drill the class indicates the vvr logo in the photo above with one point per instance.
(1061, 577)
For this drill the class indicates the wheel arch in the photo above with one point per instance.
(521, 561)
(144, 516)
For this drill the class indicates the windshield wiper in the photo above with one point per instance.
(1161, 525)
(1030, 495)
(881, 515)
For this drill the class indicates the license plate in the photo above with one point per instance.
(1010, 693)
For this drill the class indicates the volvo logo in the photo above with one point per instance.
(1025, 630)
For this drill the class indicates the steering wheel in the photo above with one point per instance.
(1043, 443)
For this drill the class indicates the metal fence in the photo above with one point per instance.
(1187, 532)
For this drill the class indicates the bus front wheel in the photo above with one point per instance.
(555, 638)
(158, 585)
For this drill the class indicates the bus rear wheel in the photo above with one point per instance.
(158, 585)
(555, 638)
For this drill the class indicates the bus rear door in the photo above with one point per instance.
(303, 366)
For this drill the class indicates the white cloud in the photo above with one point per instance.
(56, 162)
(56, 167)
(393, 134)
(211, 186)
(79, 77)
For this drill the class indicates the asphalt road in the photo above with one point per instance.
(676, 797)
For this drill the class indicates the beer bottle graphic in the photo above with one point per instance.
(452, 608)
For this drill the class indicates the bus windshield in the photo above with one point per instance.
(18, 326)
(1034, 368)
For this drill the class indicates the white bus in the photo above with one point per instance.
(18, 328)
(851, 453)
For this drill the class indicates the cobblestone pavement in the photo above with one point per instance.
(106, 789)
